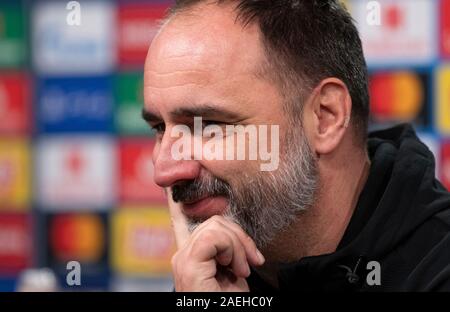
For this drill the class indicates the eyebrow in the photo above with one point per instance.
(204, 111)
(150, 116)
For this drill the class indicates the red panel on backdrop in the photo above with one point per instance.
(445, 164)
(137, 25)
(136, 172)
(14, 103)
(445, 28)
(15, 243)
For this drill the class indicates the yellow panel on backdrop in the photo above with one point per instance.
(14, 174)
(142, 241)
(442, 112)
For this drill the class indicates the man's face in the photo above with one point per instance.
(205, 64)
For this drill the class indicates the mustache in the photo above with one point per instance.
(194, 190)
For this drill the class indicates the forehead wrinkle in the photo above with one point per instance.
(154, 79)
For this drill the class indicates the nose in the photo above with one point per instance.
(167, 170)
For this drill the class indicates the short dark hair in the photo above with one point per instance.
(306, 41)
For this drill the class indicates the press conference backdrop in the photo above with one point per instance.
(75, 157)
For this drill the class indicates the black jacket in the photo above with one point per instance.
(402, 221)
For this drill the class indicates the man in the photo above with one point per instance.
(343, 210)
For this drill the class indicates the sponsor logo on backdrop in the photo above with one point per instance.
(136, 172)
(59, 48)
(14, 174)
(77, 249)
(142, 241)
(405, 34)
(75, 104)
(14, 103)
(76, 172)
(79, 237)
(15, 243)
(138, 23)
(399, 96)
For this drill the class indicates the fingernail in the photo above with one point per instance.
(260, 256)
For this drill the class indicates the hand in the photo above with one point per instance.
(215, 257)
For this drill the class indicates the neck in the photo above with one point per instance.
(319, 229)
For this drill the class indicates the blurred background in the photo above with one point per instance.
(75, 157)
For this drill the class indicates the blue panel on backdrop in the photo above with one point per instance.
(75, 104)
(7, 284)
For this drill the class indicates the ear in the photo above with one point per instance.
(331, 108)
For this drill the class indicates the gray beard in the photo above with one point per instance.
(266, 203)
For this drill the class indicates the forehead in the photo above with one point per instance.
(207, 43)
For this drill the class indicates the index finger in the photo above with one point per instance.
(179, 221)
